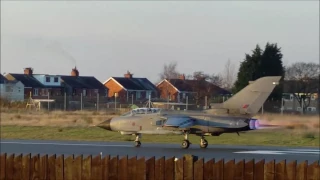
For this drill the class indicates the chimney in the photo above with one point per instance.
(182, 77)
(75, 72)
(28, 71)
(128, 75)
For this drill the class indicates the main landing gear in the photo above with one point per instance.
(203, 142)
(137, 140)
(186, 143)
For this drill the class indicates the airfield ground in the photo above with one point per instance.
(79, 125)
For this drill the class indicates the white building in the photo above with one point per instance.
(11, 90)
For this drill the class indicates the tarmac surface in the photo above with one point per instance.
(148, 150)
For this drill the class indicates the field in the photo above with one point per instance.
(79, 125)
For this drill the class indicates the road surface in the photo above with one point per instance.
(158, 150)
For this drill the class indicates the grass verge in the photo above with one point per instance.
(262, 137)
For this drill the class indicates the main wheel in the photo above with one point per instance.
(185, 144)
(204, 143)
(137, 143)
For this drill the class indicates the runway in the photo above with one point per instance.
(147, 150)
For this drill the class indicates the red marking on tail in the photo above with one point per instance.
(245, 106)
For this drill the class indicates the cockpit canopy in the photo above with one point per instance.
(143, 111)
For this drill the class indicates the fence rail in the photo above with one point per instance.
(188, 167)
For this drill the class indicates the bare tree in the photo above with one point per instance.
(302, 80)
(228, 75)
(169, 71)
(216, 79)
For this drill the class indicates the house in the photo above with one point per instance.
(298, 88)
(43, 85)
(11, 90)
(130, 88)
(178, 89)
(31, 85)
(87, 86)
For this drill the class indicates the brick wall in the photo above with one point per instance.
(166, 88)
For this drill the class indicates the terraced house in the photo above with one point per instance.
(40, 86)
(129, 88)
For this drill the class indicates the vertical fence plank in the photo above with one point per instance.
(35, 167)
(248, 170)
(269, 170)
(316, 171)
(96, 171)
(44, 167)
(291, 170)
(169, 169)
(159, 168)
(86, 168)
(198, 169)
(52, 167)
(150, 164)
(26, 165)
(67, 167)
(218, 169)
(123, 165)
(280, 169)
(239, 171)
(302, 171)
(17, 167)
(9, 167)
(228, 170)
(258, 170)
(105, 167)
(113, 168)
(3, 160)
(132, 168)
(312, 171)
(179, 169)
(141, 169)
(188, 167)
(77, 167)
(59, 167)
(209, 170)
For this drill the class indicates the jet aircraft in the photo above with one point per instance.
(233, 116)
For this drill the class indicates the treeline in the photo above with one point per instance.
(299, 77)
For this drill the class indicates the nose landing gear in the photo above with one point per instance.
(137, 140)
(203, 142)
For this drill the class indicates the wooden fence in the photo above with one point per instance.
(132, 168)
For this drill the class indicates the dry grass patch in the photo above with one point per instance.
(54, 118)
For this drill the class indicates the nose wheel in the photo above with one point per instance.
(137, 142)
(203, 143)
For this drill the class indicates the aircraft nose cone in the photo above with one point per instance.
(105, 124)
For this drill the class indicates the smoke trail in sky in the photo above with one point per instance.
(57, 48)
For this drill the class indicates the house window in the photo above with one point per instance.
(55, 79)
(84, 92)
(47, 79)
(183, 95)
(36, 92)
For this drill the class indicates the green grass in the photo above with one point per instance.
(262, 137)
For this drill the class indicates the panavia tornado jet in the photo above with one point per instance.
(233, 116)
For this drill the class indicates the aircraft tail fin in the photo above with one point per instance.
(251, 98)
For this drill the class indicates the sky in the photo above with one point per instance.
(107, 38)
